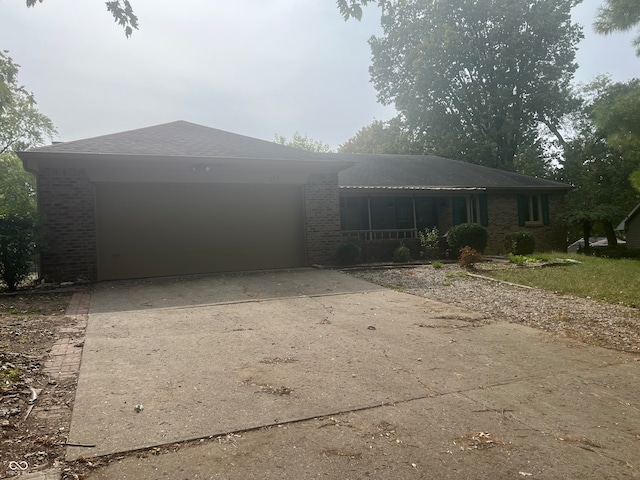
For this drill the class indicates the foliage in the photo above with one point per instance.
(390, 137)
(614, 281)
(596, 164)
(469, 257)
(468, 235)
(353, 8)
(21, 124)
(618, 16)
(616, 113)
(430, 241)
(520, 243)
(478, 78)
(401, 254)
(21, 127)
(121, 11)
(303, 142)
(437, 265)
(19, 224)
(348, 254)
(18, 236)
(517, 259)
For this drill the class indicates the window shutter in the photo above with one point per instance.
(484, 210)
(523, 206)
(544, 199)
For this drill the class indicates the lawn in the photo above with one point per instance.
(609, 280)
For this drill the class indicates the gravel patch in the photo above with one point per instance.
(595, 323)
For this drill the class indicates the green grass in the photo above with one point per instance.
(613, 281)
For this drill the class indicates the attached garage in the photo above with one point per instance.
(182, 198)
(155, 229)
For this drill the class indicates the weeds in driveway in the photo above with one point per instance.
(605, 279)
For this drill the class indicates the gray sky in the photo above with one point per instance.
(255, 67)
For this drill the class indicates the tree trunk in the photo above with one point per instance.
(612, 240)
(586, 233)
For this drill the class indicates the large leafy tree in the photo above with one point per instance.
(619, 16)
(21, 126)
(598, 168)
(480, 80)
(616, 112)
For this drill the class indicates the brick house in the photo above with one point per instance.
(182, 198)
(392, 197)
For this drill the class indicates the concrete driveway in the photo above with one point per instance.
(313, 372)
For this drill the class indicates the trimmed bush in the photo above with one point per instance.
(401, 254)
(467, 235)
(520, 243)
(348, 254)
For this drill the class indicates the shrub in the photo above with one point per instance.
(517, 259)
(520, 243)
(468, 235)
(18, 235)
(430, 241)
(401, 254)
(469, 257)
(348, 254)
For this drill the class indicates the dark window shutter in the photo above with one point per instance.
(484, 210)
(545, 209)
(523, 206)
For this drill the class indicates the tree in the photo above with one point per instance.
(303, 142)
(618, 16)
(383, 137)
(21, 126)
(478, 79)
(616, 112)
(121, 11)
(598, 169)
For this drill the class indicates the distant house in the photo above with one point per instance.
(182, 198)
(631, 226)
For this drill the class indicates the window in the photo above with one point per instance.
(533, 210)
(471, 209)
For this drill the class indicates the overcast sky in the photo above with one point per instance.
(255, 67)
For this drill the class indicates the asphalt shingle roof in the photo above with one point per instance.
(430, 172)
(182, 139)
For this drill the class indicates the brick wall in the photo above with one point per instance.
(66, 202)
(322, 212)
(503, 219)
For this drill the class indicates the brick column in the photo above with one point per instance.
(66, 201)
(322, 213)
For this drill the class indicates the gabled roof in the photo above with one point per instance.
(179, 139)
(633, 213)
(427, 172)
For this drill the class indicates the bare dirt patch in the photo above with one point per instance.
(35, 410)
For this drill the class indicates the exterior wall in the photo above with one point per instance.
(633, 232)
(322, 215)
(503, 219)
(66, 202)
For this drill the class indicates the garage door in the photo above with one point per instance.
(147, 230)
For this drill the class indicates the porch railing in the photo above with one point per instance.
(373, 235)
